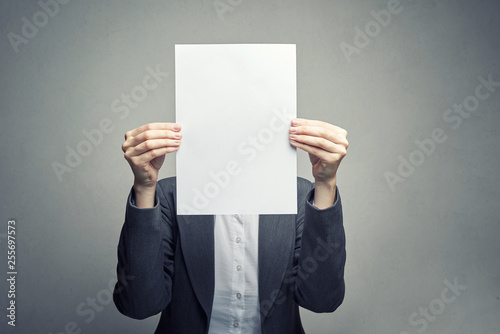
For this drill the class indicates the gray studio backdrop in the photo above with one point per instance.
(415, 83)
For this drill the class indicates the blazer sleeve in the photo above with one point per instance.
(319, 254)
(146, 257)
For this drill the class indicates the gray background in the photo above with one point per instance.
(440, 224)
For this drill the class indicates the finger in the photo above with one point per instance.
(318, 142)
(153, 126)
(319, 132)
(146, 157)
(329, 157)
(299, 122)
(151, 135)
(152, 144)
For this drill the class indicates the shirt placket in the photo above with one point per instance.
(238, 277)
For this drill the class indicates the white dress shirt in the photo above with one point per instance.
(236, 298)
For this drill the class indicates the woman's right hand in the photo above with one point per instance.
(145, 149)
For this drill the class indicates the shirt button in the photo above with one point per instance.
(236, 323)
(238, 295)
(238, 267)
(238, 239)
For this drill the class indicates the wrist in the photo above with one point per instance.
(142, 189)
(144, 196)
(327, 184)
(324, 193)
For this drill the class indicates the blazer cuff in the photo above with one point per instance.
(333, 212)
(144, 219)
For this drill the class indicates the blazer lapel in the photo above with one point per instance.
(276, 246)
(197, 244)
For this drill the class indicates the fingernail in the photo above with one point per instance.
(293, 136)
(293, 129)
(176, 127)
(295, 122)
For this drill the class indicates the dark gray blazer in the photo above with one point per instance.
(166, 264)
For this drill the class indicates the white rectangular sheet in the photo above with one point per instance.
(235, 103)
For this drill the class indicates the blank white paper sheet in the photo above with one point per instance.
(235, 103)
